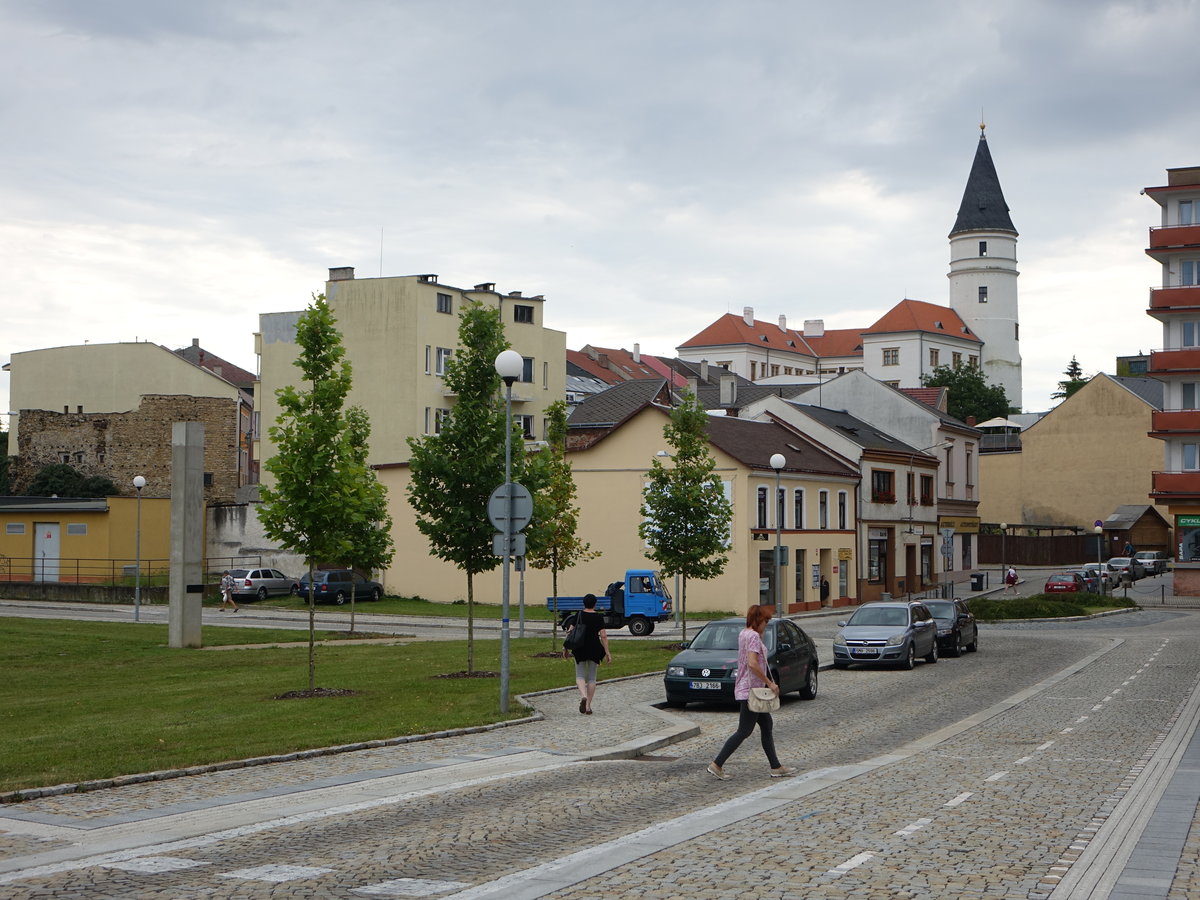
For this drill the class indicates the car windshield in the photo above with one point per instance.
(721, 636)
(888, 615)
(238, 573)
(942, 609)
(1062, 576)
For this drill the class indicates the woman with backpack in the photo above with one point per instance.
(590, 648)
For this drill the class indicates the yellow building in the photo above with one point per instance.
(81, 541)
(1079, 462)
(398, 334)
(817, 528)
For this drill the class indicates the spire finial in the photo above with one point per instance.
(982, 124)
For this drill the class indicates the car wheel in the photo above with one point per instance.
(295, 590)
(339, 598)
(974, 645)
(932, 655)
(262, 593)
(956, 648)
(376, 593)
(639, 626)
(809, 690)
(650, 629)
(910, 658)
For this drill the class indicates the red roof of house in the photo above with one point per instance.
(732, 329)
(593, 368)
(930, 396)
(917, 315)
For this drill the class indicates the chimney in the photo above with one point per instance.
(195, 342)
(814, 328)
(637, 353)
(971, 421)
(514, 293)
(486, 286)
(693, 385)
(783, 323)
(341, 273)
(748, 315)
(602, 358)
(704, 370)
(728, 390)
(427, 279)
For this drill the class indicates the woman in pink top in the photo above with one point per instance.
(752, 672)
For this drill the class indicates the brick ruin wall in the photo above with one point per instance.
(122, 445)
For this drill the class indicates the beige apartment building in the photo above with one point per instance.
(399, 333)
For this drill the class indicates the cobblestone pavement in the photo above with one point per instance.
(991, 775)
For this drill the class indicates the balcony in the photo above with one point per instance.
(1181, 297)
(1168, 239)
(1175, 485)
(1174, 361)
(1165, 422)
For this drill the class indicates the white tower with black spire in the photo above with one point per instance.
(983, 273)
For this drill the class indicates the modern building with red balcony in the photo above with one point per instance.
(1175, 245)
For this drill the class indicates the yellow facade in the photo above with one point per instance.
(94, 544)
(1088, 456)
(610, 477)
(392, 330)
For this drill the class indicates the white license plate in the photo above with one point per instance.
(704, 685)
(865, 651)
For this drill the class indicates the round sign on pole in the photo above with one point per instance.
(1098, 524)
(516, 497)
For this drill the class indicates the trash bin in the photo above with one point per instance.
(977, 581)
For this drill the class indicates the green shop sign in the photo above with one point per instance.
(1187, 521)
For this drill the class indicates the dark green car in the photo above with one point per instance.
(705, 670)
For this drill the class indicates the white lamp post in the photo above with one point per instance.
(1003, 561)
(777, 463)
(509, 365)
(139, 482)
(1100, 556)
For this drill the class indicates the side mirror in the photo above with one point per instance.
(841, 624)
(784, 647)
(684, 645)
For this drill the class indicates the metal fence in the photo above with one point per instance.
(118, 571)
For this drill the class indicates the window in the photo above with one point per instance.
(443, 357)
(1185, 212)
(955, 360)
(983, 248)
(439, 419)
(526, 370)
(14, 527)
(208, 479)
(1189, 271)
(78, 458)
(774, 370)
(781, 508)
(891, 356)
(927, 490)
(823, 509)
(428, 416)
(64, 458)
(523, 314)
(79, 528)
(545, 374)
(949, 466)
(527, 427)
(883, 486)
(1190, 334)
(877, 556)
(934, 353)
(1189, 395)
(843, 500)
(910, 489)
(973, 361)
(1191, 457)
(444, 304)
(983, 293)
(798, 508)
(762, 507)
(428, 357)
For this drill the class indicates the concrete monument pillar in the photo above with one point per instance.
(187, 534)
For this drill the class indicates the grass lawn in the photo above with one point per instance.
(85, 700)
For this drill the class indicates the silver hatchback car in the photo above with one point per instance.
(261, 583)
(889, 632)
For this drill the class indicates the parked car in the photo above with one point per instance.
(704, 671)
(261, 583)
(1127, 565)
(956, 626)
(887, 632)
(333, 585)
(1065, 583)
(1091, 581)
(1155, 562)
(1107, 580)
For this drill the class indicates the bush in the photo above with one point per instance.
(1043, 606)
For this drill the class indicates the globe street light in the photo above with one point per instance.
(777, 463)
(139, 482)
(509, 365)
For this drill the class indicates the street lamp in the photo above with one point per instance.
(1003, 561)
(1099, 558)
(509, 365)
(777, 463)
(139, 482)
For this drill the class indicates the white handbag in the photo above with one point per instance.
(763, 700)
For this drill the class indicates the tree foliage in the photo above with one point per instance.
(685, 514)
(5, 486)
(370, 525)
(1073, 382)
(311, 507)
(553, 537)
(970, 393)
(454, 471)
(63, 480)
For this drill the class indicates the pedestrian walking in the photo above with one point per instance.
(752, 672)
(1010, 581)
(590, 652)
(227, 591)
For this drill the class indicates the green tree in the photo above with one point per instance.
(970, 393)
(307, 510)
(454, 471)
(685, 515)
(1074, 381)
(5, 485)
(63, 480)
(554, 543)
(370, 525)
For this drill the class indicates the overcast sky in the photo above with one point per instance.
(171, 170)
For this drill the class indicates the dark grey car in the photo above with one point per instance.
(956, 626)
(333, 586)
(891, 632)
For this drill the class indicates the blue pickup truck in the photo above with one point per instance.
(640, 601)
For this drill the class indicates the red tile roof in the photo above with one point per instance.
(917, 315)
(732, 329)
(931, 396)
